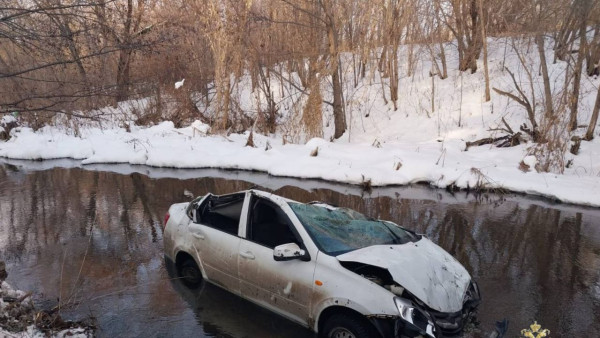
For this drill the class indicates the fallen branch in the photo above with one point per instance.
(523, 100)
(508, 141)
(14, 302)
(507, 126)
(487, 140)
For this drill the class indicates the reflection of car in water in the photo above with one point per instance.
(223, 314)
(330, 269)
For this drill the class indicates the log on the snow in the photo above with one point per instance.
(487, 140)
(500, 142)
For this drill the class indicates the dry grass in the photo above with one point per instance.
(485, 183)
(366, 185)
(312, 116)
(553, 144)
(250, 141)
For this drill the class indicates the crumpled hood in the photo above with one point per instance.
(422, 268)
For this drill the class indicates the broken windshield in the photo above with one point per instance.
(339, 230)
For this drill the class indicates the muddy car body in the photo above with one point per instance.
(330, 269)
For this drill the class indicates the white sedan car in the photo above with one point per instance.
(330, 269)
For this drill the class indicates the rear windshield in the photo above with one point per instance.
(340, 230)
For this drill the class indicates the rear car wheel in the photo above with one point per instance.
(347, 326)
(190, 274)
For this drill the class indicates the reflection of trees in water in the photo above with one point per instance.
(223, 314)
(539, 262)
(49, 207)
(47, 218)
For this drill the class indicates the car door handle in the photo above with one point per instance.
(199, 236)
(247, 255)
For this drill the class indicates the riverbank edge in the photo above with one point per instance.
(359, 188)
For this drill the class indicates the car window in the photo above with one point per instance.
(222, 212)
(268, 225)
(340, 230)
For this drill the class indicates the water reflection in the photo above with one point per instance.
(93, 238)
(219, 311)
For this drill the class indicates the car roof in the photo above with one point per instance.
(278, 198)
(271, 196)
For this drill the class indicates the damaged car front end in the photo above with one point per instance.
(417, 319)
(433, 293)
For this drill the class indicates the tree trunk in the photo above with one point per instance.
(383, 61)
(459, 33)
(593, 54)
(124, 57)
(433, 61)
(561, 42)
(394, 79)
(539, 39)
(123, 75)
(339, 115)
(355, 70)
(363, 67)
(468, 37)
(589, 135)
(68, 33)
(444, 74)
(474, 41)
(485, 53)
(577, 76)
(411, 61)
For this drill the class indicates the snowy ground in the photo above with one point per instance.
(32, 332)
(439, 163)
(7, 292)
(384, 146)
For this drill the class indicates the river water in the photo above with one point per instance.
(92, 237)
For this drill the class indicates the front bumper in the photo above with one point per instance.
(399, 328)
(429, 323)
(452, 324)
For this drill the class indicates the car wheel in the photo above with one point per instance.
(190, 274)
(348, 326)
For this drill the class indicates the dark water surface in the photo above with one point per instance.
(93, 238)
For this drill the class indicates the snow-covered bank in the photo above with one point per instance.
(423, 140)
(440, 163)
(17, 311)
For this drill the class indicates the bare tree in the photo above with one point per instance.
(583, 10)
(485, 52)
(462, 19)
(125, 26)
(333, 38)
(62, 56)
(589, 135)
(593, 52)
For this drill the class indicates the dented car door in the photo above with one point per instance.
(282, 285)
(216, 237)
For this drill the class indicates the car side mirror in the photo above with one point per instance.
(289, 251)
